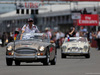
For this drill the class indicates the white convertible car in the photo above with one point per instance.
(75, 46)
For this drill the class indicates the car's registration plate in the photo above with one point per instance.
(74, 50)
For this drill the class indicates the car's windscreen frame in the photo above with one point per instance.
(75, 40)
(39, 38)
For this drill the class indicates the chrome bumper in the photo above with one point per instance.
(25, 57)
(75, 53)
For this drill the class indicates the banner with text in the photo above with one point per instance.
(27, 5)
(88, 20)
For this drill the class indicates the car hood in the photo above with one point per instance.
(29, 44)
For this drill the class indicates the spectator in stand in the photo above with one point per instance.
(84, 11)
(94, 12)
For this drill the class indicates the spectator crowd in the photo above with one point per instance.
(58, 36)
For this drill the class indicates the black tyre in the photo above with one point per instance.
(53, 62)
(47, 60)
(9, 62)
(17, 63)
(87, 56)
(63, 55)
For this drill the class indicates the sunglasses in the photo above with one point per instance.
(30, 21)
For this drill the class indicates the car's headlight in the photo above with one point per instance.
(64, 47)
(9, 48)
(41, 48)
(85, 47)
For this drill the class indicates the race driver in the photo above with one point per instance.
(29, 28)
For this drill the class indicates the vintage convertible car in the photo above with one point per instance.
(35, 47)
(75, 46)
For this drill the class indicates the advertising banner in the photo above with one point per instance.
(27, 5)
(88, 20)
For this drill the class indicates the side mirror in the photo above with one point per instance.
(51, 41)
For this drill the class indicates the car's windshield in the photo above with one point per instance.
(33, 37)
(81, 39)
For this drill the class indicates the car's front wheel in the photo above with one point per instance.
(87, 55)
(53, 62)
(17, 63)
(47, 60)
(63, 55)
(9, 62)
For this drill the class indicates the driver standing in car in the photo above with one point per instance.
(29, 28)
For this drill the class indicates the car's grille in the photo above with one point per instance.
(26, 51)
(75, 49)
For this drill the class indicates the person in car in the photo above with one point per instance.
(29, 28)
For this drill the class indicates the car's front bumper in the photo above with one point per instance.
(26, 58)
(75, 53)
